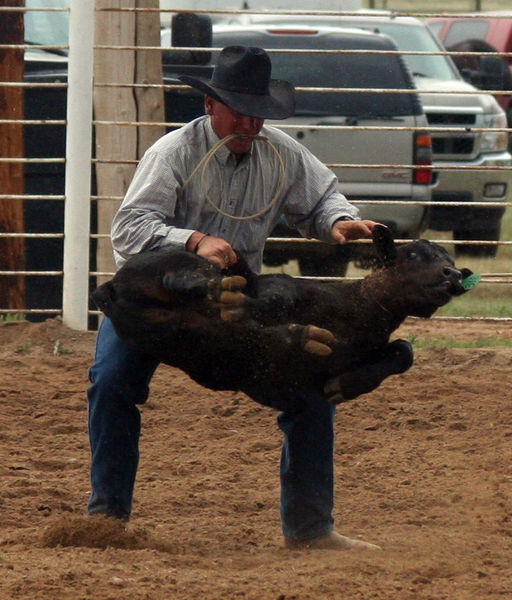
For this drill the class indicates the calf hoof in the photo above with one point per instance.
(314, 340)
(235, 283)
(227, 292)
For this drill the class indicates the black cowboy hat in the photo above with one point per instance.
(241, 80)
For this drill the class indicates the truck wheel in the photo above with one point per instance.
(323, 266)
(483, 251)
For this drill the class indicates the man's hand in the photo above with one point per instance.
(216, 250)
(347, 231)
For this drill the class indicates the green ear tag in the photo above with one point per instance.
(471, 281)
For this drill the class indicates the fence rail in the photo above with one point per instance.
(76, 271)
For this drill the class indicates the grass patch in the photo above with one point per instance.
(478, 305)
(24, 348)
(491, 297)
(12, 317)
(492, 341)
(63, 351)
(59, 350)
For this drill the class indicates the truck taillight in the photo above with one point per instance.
(423, 158)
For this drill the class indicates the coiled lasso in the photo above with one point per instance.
(205, 161)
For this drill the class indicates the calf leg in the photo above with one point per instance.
(248, 358)
(193, 284)
(314, 340)
(269, 300)
(396, 358)
(224, 293)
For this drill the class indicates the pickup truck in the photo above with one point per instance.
(449, 102)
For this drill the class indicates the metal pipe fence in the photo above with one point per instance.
(77, 197)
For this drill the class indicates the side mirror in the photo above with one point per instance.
(189, 29)
(492, 72)
(469, 76)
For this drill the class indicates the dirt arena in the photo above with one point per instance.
(423, 468)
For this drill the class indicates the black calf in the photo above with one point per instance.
(236, 330)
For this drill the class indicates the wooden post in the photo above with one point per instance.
(148, 69)
(120, 142)
(12, 250)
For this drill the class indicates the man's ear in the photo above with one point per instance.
(208, 105)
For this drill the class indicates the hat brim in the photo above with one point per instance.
(278, 104)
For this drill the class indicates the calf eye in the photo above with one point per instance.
(413, 255)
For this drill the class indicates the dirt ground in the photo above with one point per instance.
(423, 468)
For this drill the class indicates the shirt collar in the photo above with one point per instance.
(223, 155)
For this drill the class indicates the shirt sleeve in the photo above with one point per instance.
(144, 219)
(315, 201)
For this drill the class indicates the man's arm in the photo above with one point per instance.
(146, 218)
(216, 250)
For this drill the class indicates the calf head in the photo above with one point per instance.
(416, 278)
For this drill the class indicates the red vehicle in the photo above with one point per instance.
(489, 31)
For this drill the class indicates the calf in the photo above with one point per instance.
(235, 330)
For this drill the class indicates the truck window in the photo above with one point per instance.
(466, 30)
(336, 71)
(436, 27)
(47, 28)
(414, 39)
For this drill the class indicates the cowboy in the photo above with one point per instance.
(165, 205)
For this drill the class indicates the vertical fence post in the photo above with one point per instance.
(75, 297)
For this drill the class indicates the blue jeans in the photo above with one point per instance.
(120, 378)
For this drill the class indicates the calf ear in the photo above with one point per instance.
(104, 296)
(384, 244)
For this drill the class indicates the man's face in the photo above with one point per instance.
(226, 121)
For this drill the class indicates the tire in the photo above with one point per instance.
(484, 251)
(323, 266)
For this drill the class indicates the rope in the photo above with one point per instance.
(205, 161)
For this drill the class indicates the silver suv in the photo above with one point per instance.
(354, 132)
